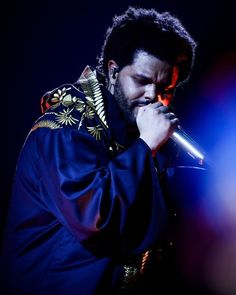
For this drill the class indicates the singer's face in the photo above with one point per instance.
(146, 80)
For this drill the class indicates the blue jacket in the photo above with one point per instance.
(88, 201)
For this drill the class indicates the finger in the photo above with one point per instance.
(158, 107)
(163, 109)
(174, 122)
(141, 111)
(155, 105)
(170, 116)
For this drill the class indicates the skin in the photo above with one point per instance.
(143, 90)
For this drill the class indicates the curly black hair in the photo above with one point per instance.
(159, 34)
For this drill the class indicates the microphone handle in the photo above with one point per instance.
(180, 137)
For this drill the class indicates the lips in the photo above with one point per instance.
(140, 103)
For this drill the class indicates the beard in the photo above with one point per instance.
(123, 102)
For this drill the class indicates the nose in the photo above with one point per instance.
(150, 92)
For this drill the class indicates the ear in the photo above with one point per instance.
(113, 70)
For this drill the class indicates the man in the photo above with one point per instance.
(89, 208)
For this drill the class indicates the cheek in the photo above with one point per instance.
(130, 89)
(134, 93)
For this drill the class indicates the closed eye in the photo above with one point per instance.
(142, 80)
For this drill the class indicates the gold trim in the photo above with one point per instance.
(45, 124)
(93, 94)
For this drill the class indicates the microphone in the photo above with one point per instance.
(180, 137)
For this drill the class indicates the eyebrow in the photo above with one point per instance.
(167, 83)
(139, 75)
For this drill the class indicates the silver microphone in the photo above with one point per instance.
(188, 144)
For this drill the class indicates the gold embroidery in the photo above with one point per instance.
(80, 105)
(59, 95)
(93, 104)
(93, 94)
(135, 267)
(96, 131)
(68, 100)
(64, 117)
(89, 112)
(47, 123)
(130, 276)
(119, 147)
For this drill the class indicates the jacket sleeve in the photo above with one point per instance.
(99, 199)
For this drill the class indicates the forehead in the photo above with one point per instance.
(151, 66)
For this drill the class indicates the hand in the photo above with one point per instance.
(156, 124)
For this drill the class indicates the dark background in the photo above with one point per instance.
(48, 43)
